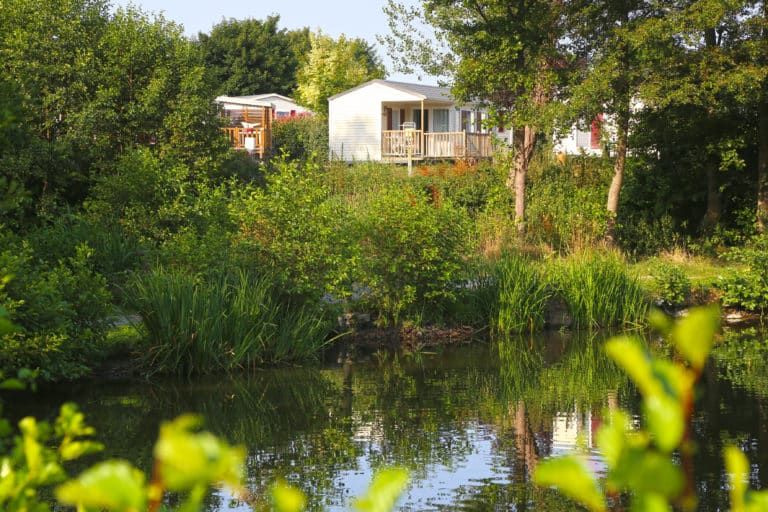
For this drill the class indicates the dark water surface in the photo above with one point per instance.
(470, 422)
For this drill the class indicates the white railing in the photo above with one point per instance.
(394, 144)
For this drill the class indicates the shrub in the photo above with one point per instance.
(412, 253)
(301, 137)
(296, 232)
(672, 286)
(748, 287)
(566, 205)
(60, 311)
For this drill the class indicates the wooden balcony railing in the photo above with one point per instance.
(394, 144)
(253, 140)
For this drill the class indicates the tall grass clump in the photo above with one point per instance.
(196, 324)
(599, 289)
(522, 296)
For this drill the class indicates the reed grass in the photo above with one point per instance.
(220, 323)
(599, 289)
(522, 296)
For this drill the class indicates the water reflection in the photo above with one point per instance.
(470, 422)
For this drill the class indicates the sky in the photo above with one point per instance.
(358, 18)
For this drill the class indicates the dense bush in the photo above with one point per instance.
(566, 203)
(412, 253)
(301, 137)
(60, 310)
(296, 232)
(748, 287)
(174, 209)
(672, 287)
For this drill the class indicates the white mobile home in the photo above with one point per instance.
(384, 120)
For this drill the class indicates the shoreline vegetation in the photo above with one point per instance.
(269, 272)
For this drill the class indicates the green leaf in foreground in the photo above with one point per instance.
(384, 491)
(112, 485)
(694, 335)
(573, 479)
(287, 499)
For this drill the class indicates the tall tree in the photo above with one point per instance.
(613, 39)
(334, 65)
(500, 52)
(760, 20)
(253, 56)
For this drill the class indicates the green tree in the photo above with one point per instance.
(333, 66)
(253, 56)
(617, 41)
(503, 53)
(151, 89)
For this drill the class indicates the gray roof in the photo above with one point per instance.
(426, 92)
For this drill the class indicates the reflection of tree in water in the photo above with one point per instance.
(522, 399)
(548, 385)
(732, 408)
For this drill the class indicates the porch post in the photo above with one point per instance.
(423, 146)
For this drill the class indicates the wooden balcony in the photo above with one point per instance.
(395, 143)
(254, 140)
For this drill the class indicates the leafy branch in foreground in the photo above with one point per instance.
(639, 461)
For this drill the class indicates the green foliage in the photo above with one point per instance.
(164, 205)
(566, 203)
(523, 295)
(333, 66)
(672, 286)
(585, 280)
(640, 461)
(293, 230)
(411, 253)
(253, 56)
(748, 287)
(59, 308)
(384, 490)
(301, 138)
(221, 323)
(35, 462)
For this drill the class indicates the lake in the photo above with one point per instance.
(470, 422)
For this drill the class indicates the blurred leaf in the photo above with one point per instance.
(660, 321)
(385, 489)
(287, 499)
(694, 335)
(111, 485)
(571, 478)
(737, 468)
(187, 458)
(666, 421)
(645, 471)
(636, 361)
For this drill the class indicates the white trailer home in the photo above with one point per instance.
(382, 120)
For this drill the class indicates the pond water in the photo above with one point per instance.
(470, 422)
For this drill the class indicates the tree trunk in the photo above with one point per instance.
(762, 167)
(714, 209)
(622, 142)
(522, 163)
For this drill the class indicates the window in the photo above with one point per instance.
(417, 119)
(440, 123)
(582, 138)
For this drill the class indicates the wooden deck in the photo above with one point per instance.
(395, 143)
(250, 129)
(253, 140)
